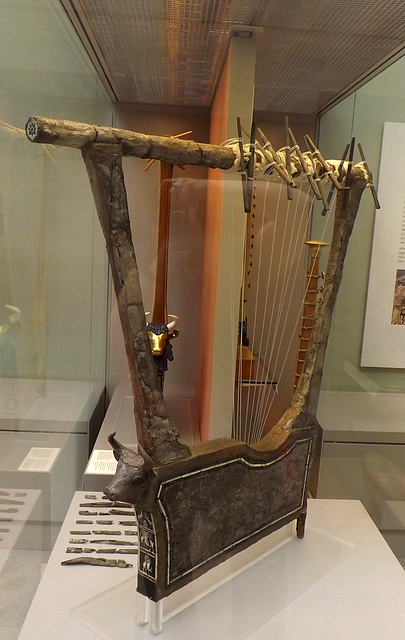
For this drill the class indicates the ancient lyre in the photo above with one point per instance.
(197, 506)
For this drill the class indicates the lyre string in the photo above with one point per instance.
(260, 397)
(264, 356)
(253, 340)
(294, 333)
(237, 426)
(283, 301)
(283, 288)
(252, 389)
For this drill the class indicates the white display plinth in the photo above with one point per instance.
(221, 611)
(46, 427)
(363, 456)
(362, 417)
(340, 581)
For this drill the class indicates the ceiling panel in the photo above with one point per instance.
(171, 52)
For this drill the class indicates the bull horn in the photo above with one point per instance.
(173, 323)
(121, 452)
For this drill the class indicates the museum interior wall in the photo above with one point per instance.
(363, 452)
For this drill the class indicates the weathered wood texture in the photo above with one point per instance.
(156, 432)
(172, 150)
(347, 206)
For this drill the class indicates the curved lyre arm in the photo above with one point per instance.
(308, 389)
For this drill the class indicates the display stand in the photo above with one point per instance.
(50, 406)
(363, 456)
(203, 608)
(342, 566)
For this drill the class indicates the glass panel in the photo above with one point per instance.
(361, 407)
(53, 284)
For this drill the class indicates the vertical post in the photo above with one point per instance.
(156, 433)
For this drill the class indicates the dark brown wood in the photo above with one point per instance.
(217, 503)
(156, 432)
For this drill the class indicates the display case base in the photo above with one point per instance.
(229, 602)
(340, 581)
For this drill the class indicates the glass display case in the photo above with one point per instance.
(53, 296)
(236, 283)
(363, 392)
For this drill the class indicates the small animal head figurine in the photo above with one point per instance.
(134, 475)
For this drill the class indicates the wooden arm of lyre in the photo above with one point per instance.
(172, 150)
(155, 430)
(175, 151)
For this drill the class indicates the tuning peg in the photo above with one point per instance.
(316, 176)
(305, 170)
(328, 170)
(349, 171)
(288, 159)
(340, 176)
(251, 167)
(369, 177)
(272, 157)
(242, 165)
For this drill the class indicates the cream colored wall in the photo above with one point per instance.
(362, 114)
